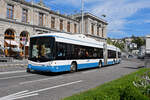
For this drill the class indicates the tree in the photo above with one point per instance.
(139, 41)
(109, 41)
(115, 43)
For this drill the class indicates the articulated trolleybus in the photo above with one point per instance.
(59, 52)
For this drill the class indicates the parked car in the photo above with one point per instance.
(141, 56)
(130, 56)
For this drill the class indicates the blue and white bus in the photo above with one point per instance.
(60, 52)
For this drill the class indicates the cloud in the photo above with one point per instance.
(117, 11)
(147, 21)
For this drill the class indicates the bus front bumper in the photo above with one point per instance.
(49, 68)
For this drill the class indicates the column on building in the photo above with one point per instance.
(45, 20)
(104, 31)
(92, 28)
(100, 30)
(95, 28)
(30, 16)
(75, 28)
(3, 12)
(65, 25)
(71, 26)
(57, 23)
(89, 26)
(36, 17)
(49, 21)
(86, 26)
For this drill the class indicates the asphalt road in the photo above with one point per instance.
(19, 85)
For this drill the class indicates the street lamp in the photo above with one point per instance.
(82, 11)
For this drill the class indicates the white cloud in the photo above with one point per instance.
(147, 21)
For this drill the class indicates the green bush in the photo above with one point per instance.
(132, 93)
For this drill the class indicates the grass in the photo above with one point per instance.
(120, 89)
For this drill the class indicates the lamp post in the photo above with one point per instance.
(82, 11)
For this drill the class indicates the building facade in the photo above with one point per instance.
(20, 19)
(93, 26)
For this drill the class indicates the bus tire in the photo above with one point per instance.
(100, 64)
(73, 67)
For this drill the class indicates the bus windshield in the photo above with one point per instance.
(41, 49)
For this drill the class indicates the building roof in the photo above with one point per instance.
(43, 7)
(148, 36)
(87, 14)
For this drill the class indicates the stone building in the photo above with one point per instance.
(20, 19)
(93, 26)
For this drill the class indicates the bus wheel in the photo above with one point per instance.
(73, 67)
(100, 64)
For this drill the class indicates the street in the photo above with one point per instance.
(19, 85)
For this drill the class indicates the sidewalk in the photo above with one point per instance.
(13, 66)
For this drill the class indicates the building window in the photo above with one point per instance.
(61, 25)
(68, 27)
(10, 11)
(9, 34)
(92, 28)
(98, 30)
(24, 15)
(41, 19)
(75, 28)
(53, 22)
(102, 32)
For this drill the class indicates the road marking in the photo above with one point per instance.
(18, 95)
(57, 86)
(15, 77)
(26, 93)
(45, 79)
(12, 72)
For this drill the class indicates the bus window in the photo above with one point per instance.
(41, 49)
(45, 51)
(61, 51)
(95, 53)
(111, 54)
(35, 51)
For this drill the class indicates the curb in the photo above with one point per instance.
(11, 65)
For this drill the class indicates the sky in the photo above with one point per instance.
(125, 17)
